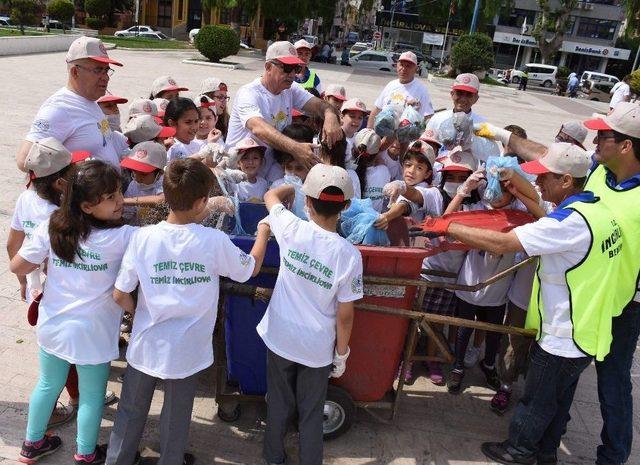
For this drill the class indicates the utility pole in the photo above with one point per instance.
(474, 21)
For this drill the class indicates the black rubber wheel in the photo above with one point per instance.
(339, 413)
(229, 416)
(547, 84)
(385, 69)
(515, 80)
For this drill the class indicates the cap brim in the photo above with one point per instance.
(303, 46)
(408, 61)
(79, 155)
(339, 97)
(170, 88)
(534, 167)
(597, 124)
(112, 98)
(428, 139)
(366, 112)
(167, 131)
(259, 147)
(105, 60)
(137, 166)
(456, 168)
(159, 119)
(290, 60)
(471, 89)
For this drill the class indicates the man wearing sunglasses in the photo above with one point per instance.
(72, 115)
(615, 179)
(263, 108)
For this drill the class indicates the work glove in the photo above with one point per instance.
(394, 189)
(234, 176)
(436, 226)
(339, 363)
(489, 131)
(221, 204)
(471, 183)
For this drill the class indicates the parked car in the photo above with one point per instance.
(192, 34)
(153, 35)
(598, 91)
(544, 75)
(359, 47)
(352, 37)
(55, 24)
(373, 60)
(599, 77)
(135, 31)
(5, 21)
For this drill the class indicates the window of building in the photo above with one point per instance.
(164, 13)
(596, 28)
(516, 17)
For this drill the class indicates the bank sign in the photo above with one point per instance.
(569, 47)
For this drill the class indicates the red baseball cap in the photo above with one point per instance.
(112, 98)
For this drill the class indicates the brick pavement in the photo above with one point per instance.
(432, 426)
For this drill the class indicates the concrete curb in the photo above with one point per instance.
(133, 49)
(215, 65)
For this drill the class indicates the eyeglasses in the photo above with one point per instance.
(287, 69)
(98, 71)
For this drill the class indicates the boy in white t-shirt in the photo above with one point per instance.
(250, 160)
(308, 322)
(177, 264)
(353, 112)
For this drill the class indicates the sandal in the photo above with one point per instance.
(61, 414)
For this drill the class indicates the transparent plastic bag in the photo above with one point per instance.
(456, 130)
(483, 149)
(385, 123)
(298, 204)
(411, 125)
(356, 224)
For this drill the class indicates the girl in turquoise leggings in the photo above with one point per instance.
(78, 322)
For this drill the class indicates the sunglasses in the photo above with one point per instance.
(287, 69)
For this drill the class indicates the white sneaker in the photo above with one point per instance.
(472, 356)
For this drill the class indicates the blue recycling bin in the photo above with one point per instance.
(246, 353)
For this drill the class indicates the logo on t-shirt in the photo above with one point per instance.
(356, 284)
(104, 126)
(244, 259)
(279, 120)
(41, 125)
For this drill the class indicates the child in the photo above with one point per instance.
(251, 157)
(292, 167)
(371, 170)
(335, 95)
(353, 112)
(207, 131)
(217, 90)
(430, 136)
(177, 264)
(83, 243)
(144, 128)
(183, 115)
(146, 162)
(308, 322)
(143, 106)
(165, 87)
(109, 105)
(392, 158)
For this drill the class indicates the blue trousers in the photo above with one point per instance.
(614, 389)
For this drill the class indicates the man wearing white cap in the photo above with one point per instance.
(464, 94)
(572, 132)
(71, 115)
(262, 109)
(307, 78)
(576, 280)
(406, 90)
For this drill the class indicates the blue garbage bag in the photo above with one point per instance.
(385, 123)
(411, 125)
(298, 204)
(493, 192)
(356, 224)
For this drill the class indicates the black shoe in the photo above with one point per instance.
(454, 384)
(188, 459)
(547, 459)
(497, 451)
(97, 458)
(491, 375)
(31, 454)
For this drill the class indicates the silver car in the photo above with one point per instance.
(373, 60)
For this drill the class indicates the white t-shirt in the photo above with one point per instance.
(397, 93)
(619, 94)
(135, 189)
(30, 211)
(181, 150)
(562, 241)
(394, 166)
(178, 269)
(318, 269)
(520, 290)
(254, 100)
(377, 177)
(355, 180)
(78, 123)
(78, 320)
(252, 191)
(121, 144)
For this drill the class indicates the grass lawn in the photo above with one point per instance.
(137, 42)
(10, 32)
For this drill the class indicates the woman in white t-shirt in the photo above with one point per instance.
(78, 323)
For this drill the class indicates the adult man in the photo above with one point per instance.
(615, 178)
(262, 109)
(71, 115)
(621, 92)
(308, 77)
(464, 95)
(575, 284)
(406, 90)
(572, 132)
(572, 85)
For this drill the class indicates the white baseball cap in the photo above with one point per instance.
(203, 101)
(409, 56)
(369, 139)
(161, 105)
(142, 128)
(561, 158)
(576, 130)
(143, 106)
(424, 149)
(337, 91)
(430, 135)
(458, 160)
(284, 52)
(164, 83)
(302, 44)
(354, 104)
(624, 118)
(468, 82)
(91, 48)
(212, 84)
(321, 176)
(48, 156)
(249, 143)
(146, 157)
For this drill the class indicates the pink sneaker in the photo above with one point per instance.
(500, 401)
(435, 373)
(408, 375)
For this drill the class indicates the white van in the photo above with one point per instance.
(544, 75)
(597, 77)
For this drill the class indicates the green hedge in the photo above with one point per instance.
(216, 42)
(472, 52)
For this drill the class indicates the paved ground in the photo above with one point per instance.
(432, 427)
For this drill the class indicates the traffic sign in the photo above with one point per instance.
(377, 35)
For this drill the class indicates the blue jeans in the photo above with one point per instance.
(614, 389)
(541, 416)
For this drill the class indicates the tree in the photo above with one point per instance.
(632, 14)
(472, 52)
(97, 8)
(217, 42)
(62, 10)
(24, 12)
(552, 23)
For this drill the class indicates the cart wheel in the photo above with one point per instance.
(228, 415)
(339, 411)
